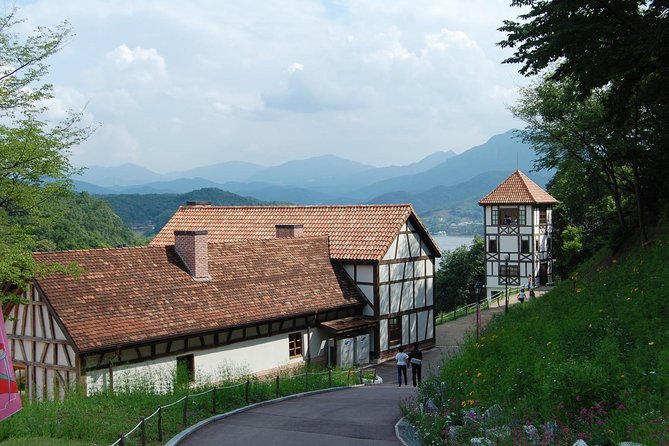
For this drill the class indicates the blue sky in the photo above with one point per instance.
(176, 85)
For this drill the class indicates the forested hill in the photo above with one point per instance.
(80, 221)
(147, 213)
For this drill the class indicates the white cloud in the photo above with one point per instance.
(376, 81)
(141, 65)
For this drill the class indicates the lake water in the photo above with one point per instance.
(450, 242)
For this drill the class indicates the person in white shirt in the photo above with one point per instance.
(402, 360)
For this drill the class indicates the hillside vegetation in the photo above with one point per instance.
(592, 356)
(147, 213)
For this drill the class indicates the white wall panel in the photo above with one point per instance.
(365, 273)
(390, 255)
(419, 290)
(408, 270)
(384, 273)
(428, 292)
(508, 243)
(395, 294)
(429, 268)
(407, 296)
(419, 268)
(384, 299)
(422, 324)
(430, 325)
(414, 240)
(403, 247)
(383, 334)
(368, 291)
(396, 271)
(405, 329)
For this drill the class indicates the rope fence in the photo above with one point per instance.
(194, 407)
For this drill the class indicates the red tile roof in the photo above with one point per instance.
(355, 232)
(134, 295)
(518, 189)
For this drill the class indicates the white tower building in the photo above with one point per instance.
(517, 222)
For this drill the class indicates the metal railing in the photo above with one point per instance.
(470, 308)
(193, 407)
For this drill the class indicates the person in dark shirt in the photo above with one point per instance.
(416, 360)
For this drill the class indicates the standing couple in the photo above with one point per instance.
(414, 359)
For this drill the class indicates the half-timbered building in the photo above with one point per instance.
(239, 289)
(213, 308)
(385, 249)
(518, 226)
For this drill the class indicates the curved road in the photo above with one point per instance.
(354, 416)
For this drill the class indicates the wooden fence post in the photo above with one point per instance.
(278, 390)
(160, 424)
(329, 377)
(121, 440)
(246, 391)
(213, 400)
(185, 414)
(143, 431)
(348, 378)
(306, 380)
(361, 376)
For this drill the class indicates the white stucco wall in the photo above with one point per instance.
(253, 356)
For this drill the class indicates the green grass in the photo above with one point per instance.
(592, 355)
(99, 419)
(42, 441)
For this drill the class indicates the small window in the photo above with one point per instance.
(542, 216)
(186, 368)
(295, 344)
(549, 244)
(522, 216)
(525, 246)
(494, 219)
(513, 271)
(492, 246)
(510, 216)
(394, 332)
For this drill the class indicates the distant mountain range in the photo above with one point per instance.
(439, 182)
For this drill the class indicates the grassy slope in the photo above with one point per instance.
(593, 354)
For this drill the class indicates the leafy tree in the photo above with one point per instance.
(459, 271)
(604, 102)
(34, 154)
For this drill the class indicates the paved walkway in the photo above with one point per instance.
(361, 416)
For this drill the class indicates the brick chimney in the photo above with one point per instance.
(288, 231)
(192, 247)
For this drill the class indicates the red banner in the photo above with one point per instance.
(10, 399)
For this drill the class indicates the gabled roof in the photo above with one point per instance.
(135, 295)
(518, 189)
(362, 232)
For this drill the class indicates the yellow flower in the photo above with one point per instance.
(589, 325)
(651, 343)
(628, 299)
(548, 344)
(479, 374)
(578, 290)
(463, 404)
